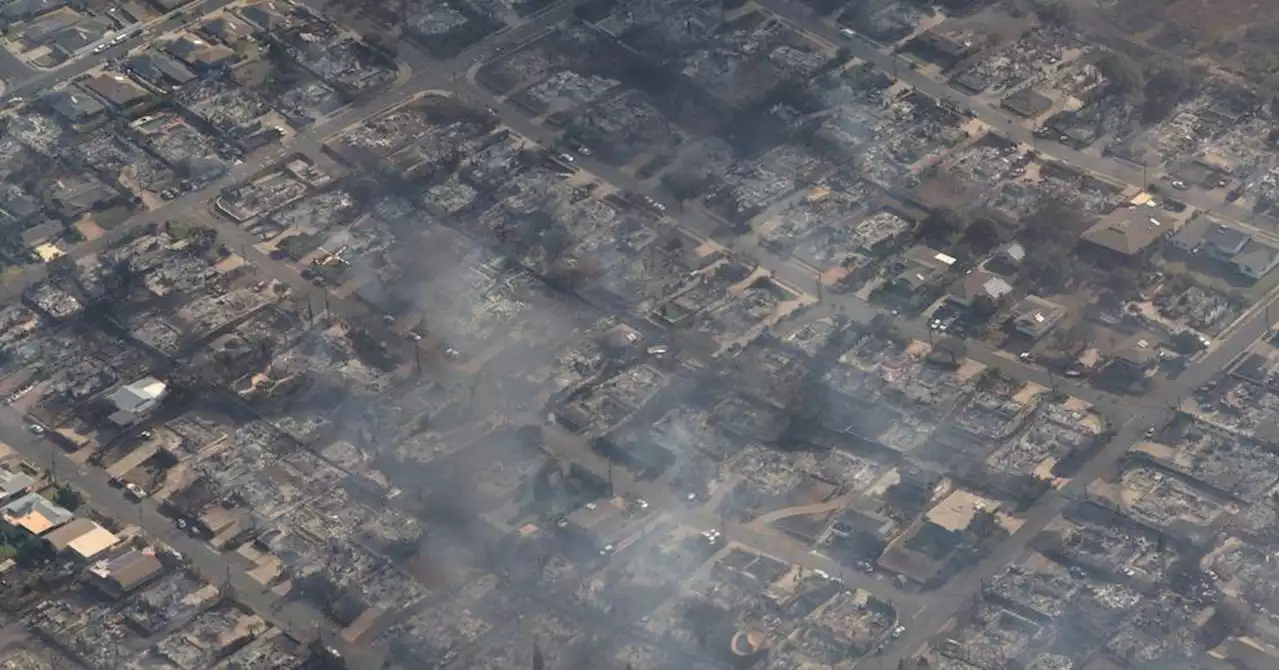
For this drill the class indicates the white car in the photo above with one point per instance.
(848, 34)
(135, 491)
(36, 429)
(101, 47)
(568, 158)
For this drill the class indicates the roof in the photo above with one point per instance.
(74, 107)
(262, 14)
(117, 89)
(1128, 231)
(13, 483)
(979, 283)
(1192, 233)
(74, 194)
(25, 9)
(958, 509)
(73, 38)
(130, 569)
(952, 42)
(41, 233)
(1225, 239)
(140, 396)
(604, 520)
(927, 257)
(594, 514)
(157, 67)
(1014, 252)
(94, 542)
(195, 51)
(35, 513)
(1039, 309)
(62, 537)
(82, 536)
(1256, 255)
(226, 28)
(1027, 102)
(1137, 352)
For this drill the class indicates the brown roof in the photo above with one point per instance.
(978, 283)
(1128, 230)
(133, 568)
(61, 538)
(117, 89)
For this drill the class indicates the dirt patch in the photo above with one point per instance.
(89, 228)
(1208, 17)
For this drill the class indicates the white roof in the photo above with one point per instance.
(139, 396)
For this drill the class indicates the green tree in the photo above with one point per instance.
(67, 497)
(1124, 74)
(1047, 268)
(942, 226)
(982, 235)
(1167, 84)
(984, 307)
(1186, 342)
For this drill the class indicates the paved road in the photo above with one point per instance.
(787, 270)
(1153, 410)
(300, 621)
(12, 70)
(1006, 124)
(27, 82)
(440, 77)
(941, 606)
(771, 542)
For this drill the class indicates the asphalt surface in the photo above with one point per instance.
(303, 622)
(1007, 124)
(12, 69)
(1136, 416)
(297, 619)
(698, 514)
(25, 82)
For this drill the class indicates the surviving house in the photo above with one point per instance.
(1127, 232)
(1035, 316)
